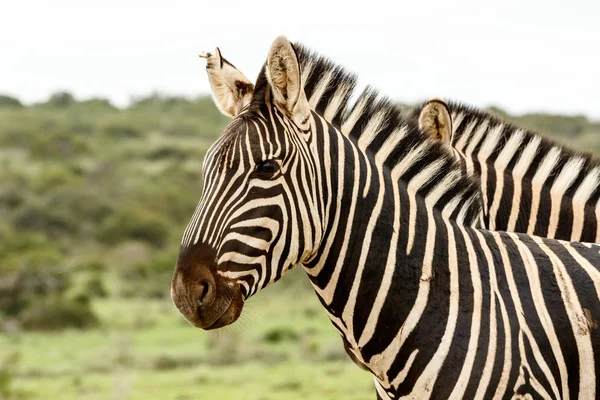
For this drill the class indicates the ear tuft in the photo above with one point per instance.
(231, 90)
(435, 120)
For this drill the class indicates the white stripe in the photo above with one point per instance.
(485, 151)
(465, 373)
(561, 184)
(490, 359)
(427, 379)
(582, 195)
(537, 183)
(355, 114)
(336, 101)
(416, 183)
(319, 89)
(462, 142)
(518, 175)
(500, 165)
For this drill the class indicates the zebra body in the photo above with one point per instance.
(382, 221)
(529, 183)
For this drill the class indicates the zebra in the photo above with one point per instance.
(381, 218)
(529, 183)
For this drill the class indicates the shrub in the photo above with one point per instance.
(96, 104)
(134, 224)
(281, 334)
(9, 102)
(34, 292)
(121, 130)
(57, 314)
(159, 101)
(61, 100)
(27, 278)
(94, 286)
(37, 217)
(166, 362)
(151, 279)
(58, 145)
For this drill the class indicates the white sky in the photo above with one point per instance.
(524, 56)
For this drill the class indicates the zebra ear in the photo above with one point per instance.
(283, 73)
(435, 120)
(231, 90)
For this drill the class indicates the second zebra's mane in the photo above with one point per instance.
(468, 119)
(476, 130)
(379, 128)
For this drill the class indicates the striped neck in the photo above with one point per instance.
(369, 202)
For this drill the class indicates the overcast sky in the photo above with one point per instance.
(523, 56)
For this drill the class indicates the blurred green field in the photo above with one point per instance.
(145, 350)
(93, 202)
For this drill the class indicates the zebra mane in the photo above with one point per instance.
(482, 131)
(380, 129)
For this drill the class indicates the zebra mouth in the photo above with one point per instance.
(230, 315)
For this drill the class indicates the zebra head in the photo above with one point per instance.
(260, 213)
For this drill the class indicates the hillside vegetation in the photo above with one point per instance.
(93, 202)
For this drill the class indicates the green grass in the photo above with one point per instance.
(282, 348)
(287, 380)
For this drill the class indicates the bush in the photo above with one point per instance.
(9, 102)
(94, 286)
(151, 279)
(34, 292)
(61, 100)
(134, 224)
(281, 334)
(35, 277)
(38, 217)
(57, 314)
(58, 145)
(160, 101)
(121, 130)
(96, 104)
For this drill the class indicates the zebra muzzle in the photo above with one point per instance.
(206, 300)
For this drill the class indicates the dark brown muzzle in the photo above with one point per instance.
(205, 299)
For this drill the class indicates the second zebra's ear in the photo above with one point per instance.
(231, 90)
(435, 120)
(285, 78)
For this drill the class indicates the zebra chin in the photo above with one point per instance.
(206, 299)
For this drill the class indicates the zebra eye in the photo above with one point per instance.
(267, 167)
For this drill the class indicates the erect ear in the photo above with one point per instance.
(435, 120)
(231, 90)
(284, 75)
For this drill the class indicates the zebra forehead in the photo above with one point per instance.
(246, 137)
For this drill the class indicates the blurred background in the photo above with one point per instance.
(104, 120)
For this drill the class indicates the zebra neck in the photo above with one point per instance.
(378, 237)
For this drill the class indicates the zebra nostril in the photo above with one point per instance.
(205, 289)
